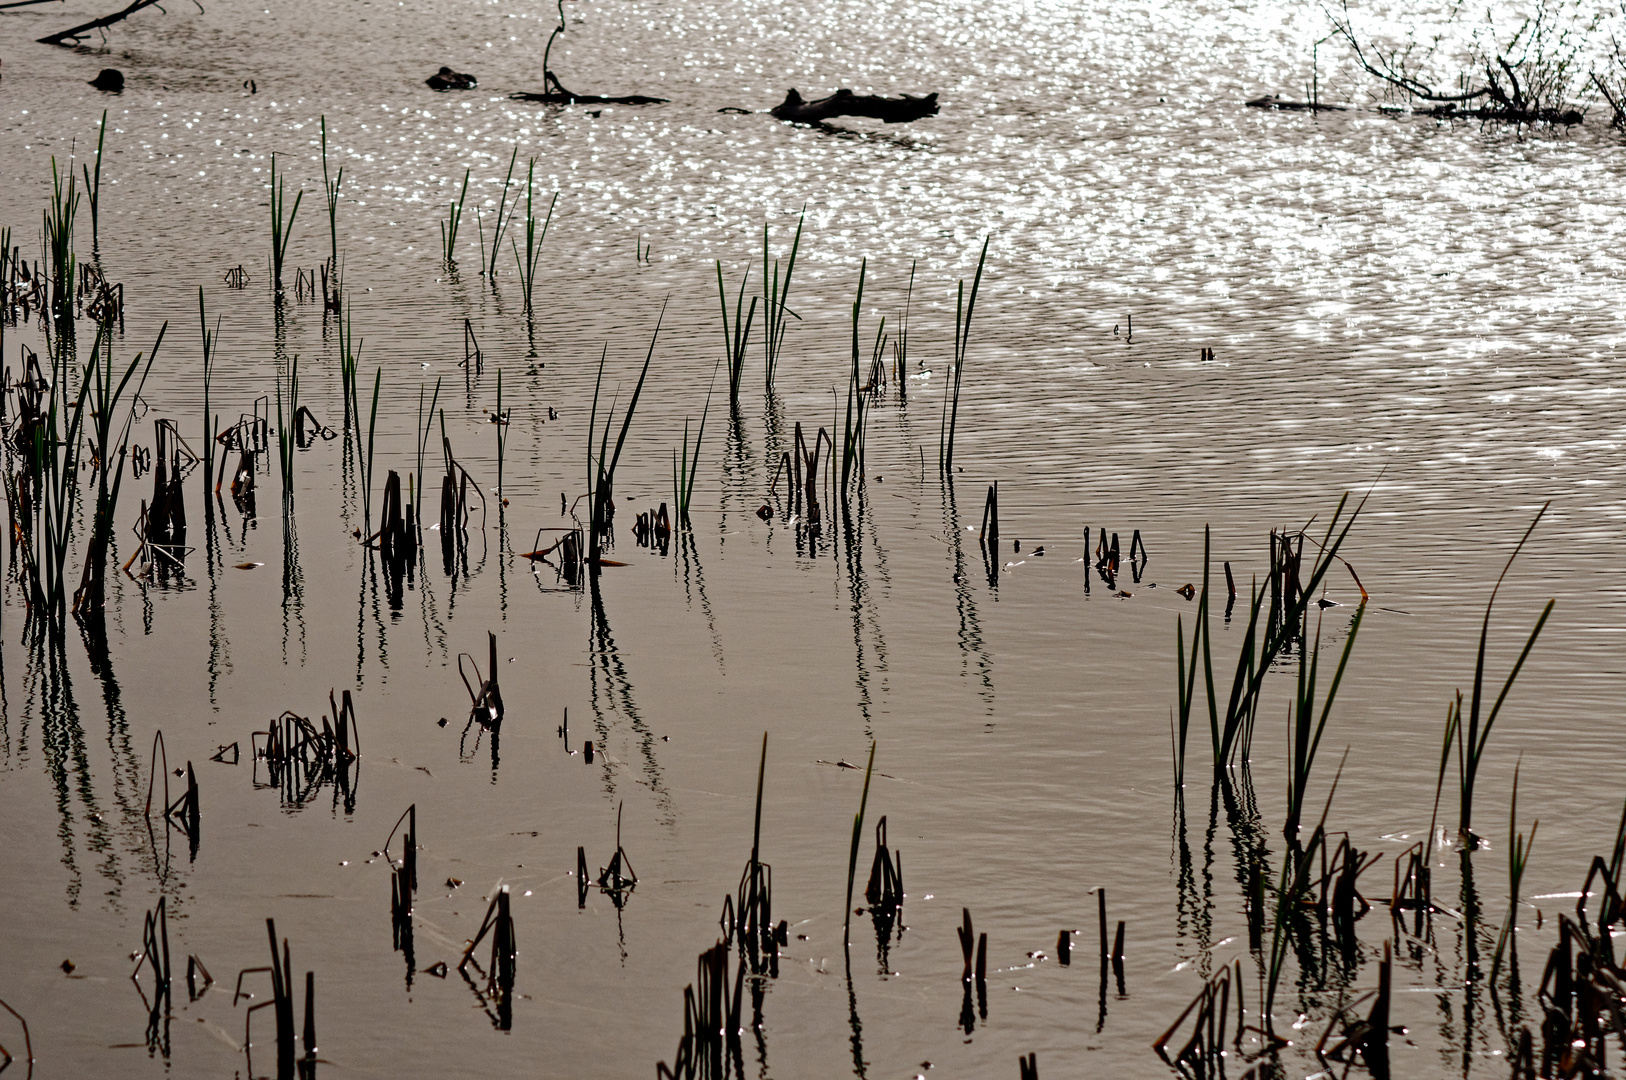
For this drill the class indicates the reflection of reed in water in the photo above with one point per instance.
(973, 650)
(610, 692)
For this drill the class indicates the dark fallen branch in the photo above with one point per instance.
(1447, 111)
(1271, 101)
(1506, 114)
(1617, 102)
(898, 110)
(1502, 97)
(556, 94)
(77, 32)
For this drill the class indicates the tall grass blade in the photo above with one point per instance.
(852, 858)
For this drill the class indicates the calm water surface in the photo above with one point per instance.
(1428, 312)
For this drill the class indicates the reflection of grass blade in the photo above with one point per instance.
(1293, 887)
(1518, 856)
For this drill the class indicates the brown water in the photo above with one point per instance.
(1429, 312)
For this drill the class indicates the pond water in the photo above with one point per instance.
(1428, 315)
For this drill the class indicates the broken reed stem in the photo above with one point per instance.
(210, 423)
(502, 432)
(852, 858)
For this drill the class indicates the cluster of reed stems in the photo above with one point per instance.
(1269, 634)
(454, 218)
(93, 183)
(60, 432)
(285, 428)
(852, 432)
(533, 237)
(686, 465)
(601, 467)
(58, 227)
(964, 307)
(282, 224)
(775, 310)
(1471, 733)
(211, 422)
(332, 290)
(489, 266)
(735, 333)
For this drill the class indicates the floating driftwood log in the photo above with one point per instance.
(556, 94)
(553, 92)
(1449, 110)
(1271, 101)
(898, 110)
